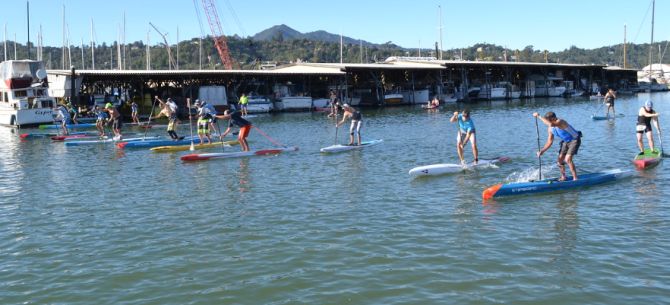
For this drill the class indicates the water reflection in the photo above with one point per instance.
(243, 176)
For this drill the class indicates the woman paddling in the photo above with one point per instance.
(644, 118)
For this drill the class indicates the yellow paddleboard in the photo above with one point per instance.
(196, 146)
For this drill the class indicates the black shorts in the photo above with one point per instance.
(116, 124)
(570, 148)
(643, 128)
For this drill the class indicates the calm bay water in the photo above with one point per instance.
(99, 225)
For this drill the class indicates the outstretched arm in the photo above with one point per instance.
(550, 140)
(545, 121)
(454, 117)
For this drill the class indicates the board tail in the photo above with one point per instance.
(491, 191)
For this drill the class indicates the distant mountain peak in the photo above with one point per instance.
(284, 32)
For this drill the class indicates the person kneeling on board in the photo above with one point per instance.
(466, 132)
(236, 119)
(356, 122)
(644, 118)
(571, 139)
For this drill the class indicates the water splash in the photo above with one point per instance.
(531, 173)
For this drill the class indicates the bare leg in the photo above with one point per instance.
(475, 151)
(571, 165)
(561, 167)
(639, 142)
(650, 137)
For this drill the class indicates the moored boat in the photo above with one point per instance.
(24, 96)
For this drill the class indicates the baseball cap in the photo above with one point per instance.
(346, 106)
(108, 105)
(649, 104)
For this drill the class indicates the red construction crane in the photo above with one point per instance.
(217, 32)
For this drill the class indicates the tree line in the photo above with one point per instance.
(250, 54)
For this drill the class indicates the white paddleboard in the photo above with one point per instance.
(339, 147)
(450, 168)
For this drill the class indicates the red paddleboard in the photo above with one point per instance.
(211, 156)
(648, 159)
(62, 138)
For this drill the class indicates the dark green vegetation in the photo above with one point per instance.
(281, 44)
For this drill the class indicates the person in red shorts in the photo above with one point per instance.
(236, 119)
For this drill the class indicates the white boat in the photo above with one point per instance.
(259, 104)
(294, 103)
(321, 103)
(548, 86)
(528, 89)
(24, 96)
(393, 98)
(512, 91)
(287, 100)
(415, 96)
(492, 92)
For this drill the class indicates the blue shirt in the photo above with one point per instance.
(465, 126)
(566, 135)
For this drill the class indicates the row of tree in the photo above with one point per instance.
(250, 54)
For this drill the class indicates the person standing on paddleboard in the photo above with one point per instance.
(644, 118)
(235, 118)
(115, 120)
(244, 102)
(571, 139)
(466, 132)
(63, 115)
(134, 112)
(609, 101)
(203, 123)
(356, 122)
(172, 119)
(100, 119)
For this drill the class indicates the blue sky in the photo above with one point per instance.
(544, 24)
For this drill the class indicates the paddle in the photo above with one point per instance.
(660, 139)
(218, 130)
(190, 123)
(599, 107)
(153, 103)
(539, 158)
(336, 127)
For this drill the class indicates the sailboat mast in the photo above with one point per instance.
(28, 18)
(651, 45)
(624, 46)
(440, 16)
(92, 47)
